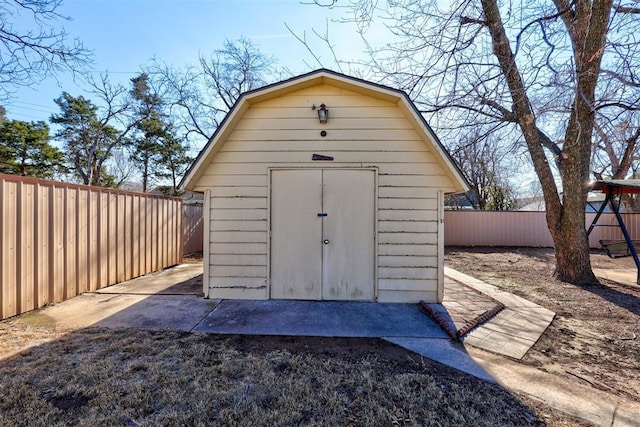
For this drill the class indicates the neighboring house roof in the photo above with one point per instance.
(460, 201)
(532, 204)
(537, 204)
(314, 78)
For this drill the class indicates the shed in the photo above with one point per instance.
(347, 208)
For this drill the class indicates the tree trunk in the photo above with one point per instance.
(573, 263)
(566, 217)
(145, 175)
(587, 25)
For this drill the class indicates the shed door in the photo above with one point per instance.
(322, 234)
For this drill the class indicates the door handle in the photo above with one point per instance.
(326, 241)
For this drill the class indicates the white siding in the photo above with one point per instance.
(362, 132)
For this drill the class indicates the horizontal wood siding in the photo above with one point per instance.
(238, 240)
(405, 296)
(362, 132)
(60, 240)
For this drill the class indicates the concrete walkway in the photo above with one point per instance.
(172, 300)
(624, 276)
(568, 396)
(515, 329)
(512, 332)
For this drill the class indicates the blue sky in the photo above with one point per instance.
(125, 34)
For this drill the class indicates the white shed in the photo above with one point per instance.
(350, 208)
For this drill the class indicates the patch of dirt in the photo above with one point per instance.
(595, 337)
(68, 401)
(192, 258)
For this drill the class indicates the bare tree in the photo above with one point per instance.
(122, 170)
(483, 161)
(530, 69)
(617, 121)
(90, 133)
(617, 148)
(28, 55)
(200, 95)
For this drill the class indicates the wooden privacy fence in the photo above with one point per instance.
(519, 228)
(59, 240)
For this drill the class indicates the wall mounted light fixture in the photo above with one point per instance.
(323, 113)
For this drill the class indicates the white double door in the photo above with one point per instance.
(323, 234)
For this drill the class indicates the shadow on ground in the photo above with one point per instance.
(99, 376)
(616, 295)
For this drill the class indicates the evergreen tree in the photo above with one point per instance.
(155, 148)
(88, 141)
(173, 162)
(149, 127)
(25, 150)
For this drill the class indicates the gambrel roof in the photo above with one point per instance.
(315, 78)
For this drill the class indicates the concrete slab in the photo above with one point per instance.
(462, 306)
(153, 312)
(568, 396)
(81, 311)
(183, 279)
(162, 312)
(402, 324)
(142, 302)
(445, 352)
(504, 344)
(320, 318)
(169, 300)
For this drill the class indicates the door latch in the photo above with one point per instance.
(322, 214)
(326, 241)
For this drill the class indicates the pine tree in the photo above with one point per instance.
(25, 150)
(155, 148)
(88, 141)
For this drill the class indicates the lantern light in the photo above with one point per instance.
(323, 113)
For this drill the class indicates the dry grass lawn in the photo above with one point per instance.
(130, 377)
